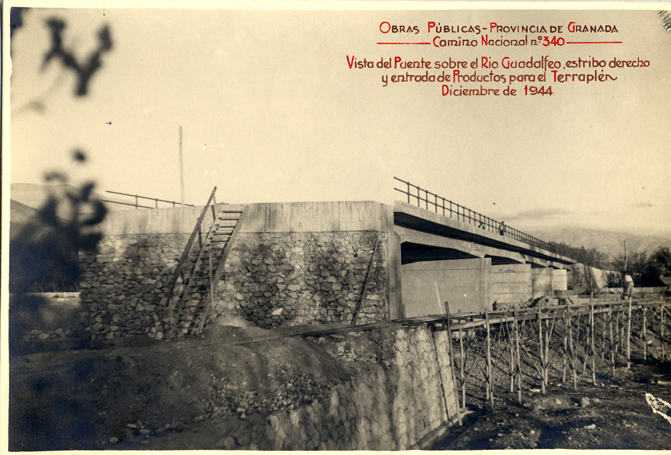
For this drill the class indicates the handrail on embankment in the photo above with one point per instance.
(137, 204)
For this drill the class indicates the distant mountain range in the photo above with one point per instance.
(609, 242)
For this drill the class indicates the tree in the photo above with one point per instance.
(46, 250)
(658, 266)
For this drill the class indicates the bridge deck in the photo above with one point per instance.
(417, 225)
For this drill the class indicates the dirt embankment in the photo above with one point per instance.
(208, 393)
(191, 394)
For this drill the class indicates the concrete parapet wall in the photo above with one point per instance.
(275, 217)
(317, 217)
(157, 221)
(395, 404)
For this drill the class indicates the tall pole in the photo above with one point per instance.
(181, 166)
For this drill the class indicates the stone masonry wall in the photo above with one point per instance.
(395, 405)
(122, 286)
(275, 279)
(271, 279)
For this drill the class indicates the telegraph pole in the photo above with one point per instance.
(181, 166)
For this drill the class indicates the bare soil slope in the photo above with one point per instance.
(187, 394)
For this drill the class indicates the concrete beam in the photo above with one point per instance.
(413, 217)
(544, 262)
(474, 249)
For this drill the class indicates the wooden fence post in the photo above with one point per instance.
(541, 352)
(490, 383)
(603, 336)
(661, 309)
(566, 329)
(645, 335)
(623, 333)
(511, 368)
(461, 362)
(519, 362)
(629, 336)
(584, 358)
(449, 343)
(612, 342)
(573, 353)
(617, 331)
(592, 327)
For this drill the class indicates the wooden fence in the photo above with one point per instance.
(542, 335)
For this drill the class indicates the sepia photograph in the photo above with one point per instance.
(238, 225)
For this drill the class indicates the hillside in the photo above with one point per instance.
(34, 195)
(19, 215)
(609, 242)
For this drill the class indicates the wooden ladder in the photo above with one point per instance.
(201, 268)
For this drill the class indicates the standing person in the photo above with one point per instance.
(627, 285)
(502, 228)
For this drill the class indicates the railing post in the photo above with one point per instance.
(136, 202)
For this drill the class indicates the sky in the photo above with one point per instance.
(271, 112)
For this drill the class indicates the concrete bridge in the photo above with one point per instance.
(325, 262)
(472, 266)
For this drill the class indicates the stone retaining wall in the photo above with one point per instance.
(396, 406)
(275, 279)
(271, 279)
(122, 286)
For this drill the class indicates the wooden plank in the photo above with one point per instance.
(210, 301)
(644, 325)
(449, 341)
(612, 342)
(461, 370)
(490, 388)
(592, 329)
(365, 284)
(541, 353)
(519, 360)
(629, 336)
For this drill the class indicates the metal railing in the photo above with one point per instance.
(137, 205)
(465, 215)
